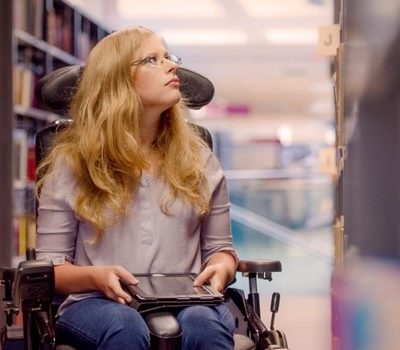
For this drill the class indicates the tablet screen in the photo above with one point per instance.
(164, 286)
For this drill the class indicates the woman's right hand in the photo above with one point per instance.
(107, 280)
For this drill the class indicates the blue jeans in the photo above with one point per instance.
(98, 323)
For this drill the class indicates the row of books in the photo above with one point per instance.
(24, 223)
(60, 29)
(23, 158)
(29, 17)
(41, 27)
(57, 25)
(24, 81)
(24, 220)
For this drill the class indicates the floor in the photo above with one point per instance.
(304, 319)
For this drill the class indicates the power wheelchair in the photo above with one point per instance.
(29, 288)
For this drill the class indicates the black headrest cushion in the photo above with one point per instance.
(56, 89)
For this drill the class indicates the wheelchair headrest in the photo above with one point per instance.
(56, 89)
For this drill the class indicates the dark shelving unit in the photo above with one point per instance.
(42, 35)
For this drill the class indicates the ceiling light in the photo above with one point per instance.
(292, 36)
(138, 9)
(204, 37)
(283, 8)
(285, 134)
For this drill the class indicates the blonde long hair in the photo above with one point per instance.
(103, 148)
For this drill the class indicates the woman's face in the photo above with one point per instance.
(154, 75)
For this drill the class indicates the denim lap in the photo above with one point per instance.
(98, 323)
(206, 327)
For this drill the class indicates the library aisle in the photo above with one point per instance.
(305, 121)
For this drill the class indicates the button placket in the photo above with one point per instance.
(145, 228)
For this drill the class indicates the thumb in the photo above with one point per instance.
(204, 276)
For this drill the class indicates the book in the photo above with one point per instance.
(20, 157)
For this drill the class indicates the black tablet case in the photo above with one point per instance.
(149, 294)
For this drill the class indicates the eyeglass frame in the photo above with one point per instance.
(171, 58)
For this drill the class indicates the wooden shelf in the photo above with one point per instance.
(44, 35)
(42, 45)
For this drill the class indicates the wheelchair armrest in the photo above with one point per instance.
(33, 286)
(261, 268)
(257, 268)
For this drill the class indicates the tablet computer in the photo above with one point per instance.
(157, 291)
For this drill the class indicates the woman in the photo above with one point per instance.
(130, 187)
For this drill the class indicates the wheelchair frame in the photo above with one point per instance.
(29, 289)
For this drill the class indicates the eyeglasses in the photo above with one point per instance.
(154, 61)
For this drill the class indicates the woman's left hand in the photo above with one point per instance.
(219, 271)
(218, 275)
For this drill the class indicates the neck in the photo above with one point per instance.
(148, 126)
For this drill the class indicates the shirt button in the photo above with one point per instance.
(145, 226)
(144, 205)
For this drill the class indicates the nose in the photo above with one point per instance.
(173, 67)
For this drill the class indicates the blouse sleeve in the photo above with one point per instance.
(57, 223)
(216, 229)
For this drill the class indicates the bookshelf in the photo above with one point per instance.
(46, 35)
(364, 302)
(5, 132)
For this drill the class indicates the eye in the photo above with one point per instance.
(151, 60)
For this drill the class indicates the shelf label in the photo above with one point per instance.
(328, 39)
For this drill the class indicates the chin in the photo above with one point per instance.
(167, 101)
(178, 98)
(174, 100)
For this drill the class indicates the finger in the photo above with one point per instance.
(126, 276)
(205, 276)
(121, 294)
(121, 300)
(118, 292)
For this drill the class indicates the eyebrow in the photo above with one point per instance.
(156, 54)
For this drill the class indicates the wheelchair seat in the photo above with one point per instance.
(33, 296)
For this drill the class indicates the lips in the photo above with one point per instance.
(173, 81)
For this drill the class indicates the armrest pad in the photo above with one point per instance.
(259, 266)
